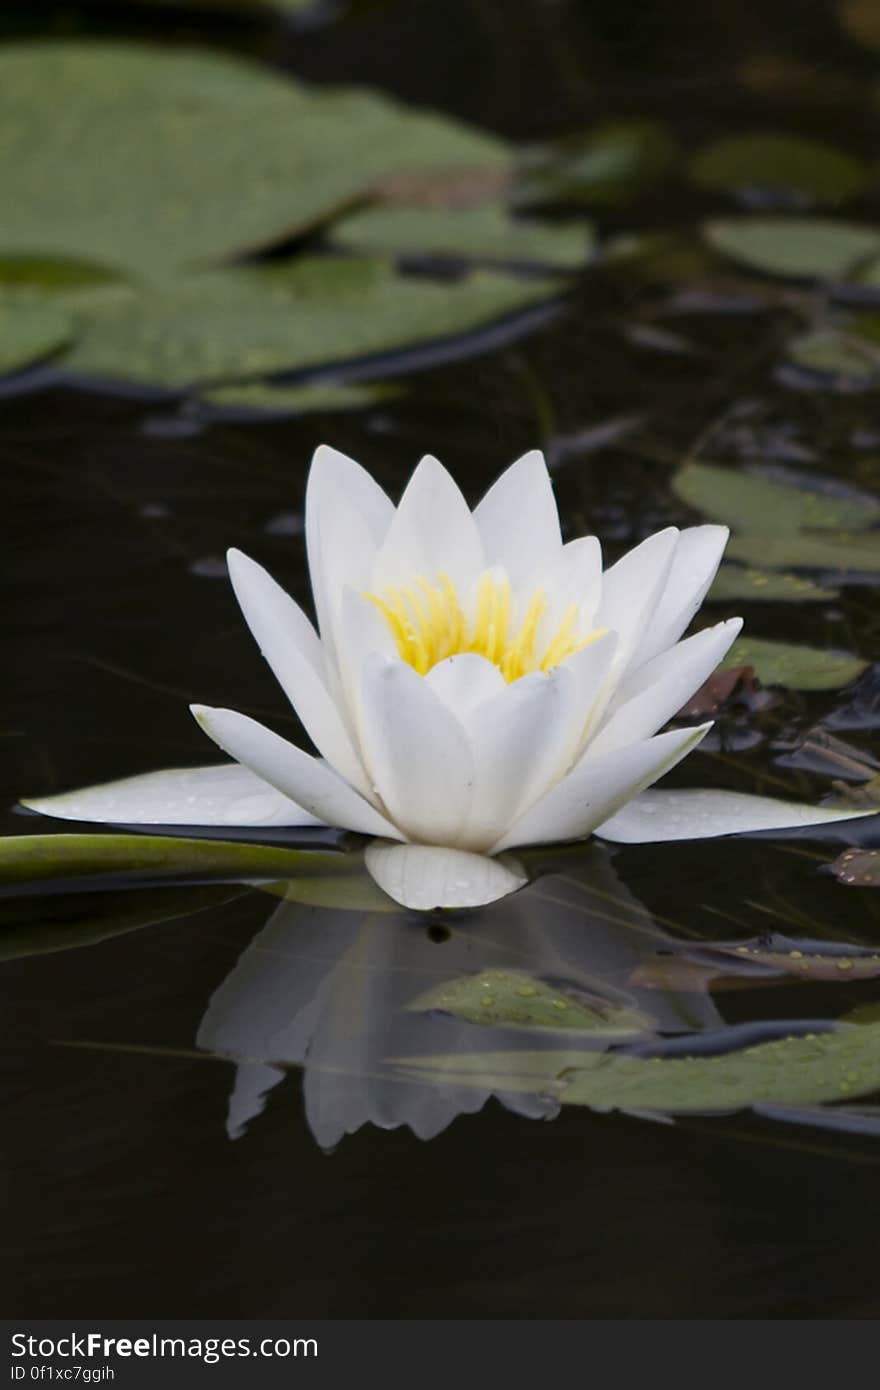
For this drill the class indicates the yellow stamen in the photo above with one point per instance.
(428, 624)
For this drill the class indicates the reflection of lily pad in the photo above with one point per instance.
(155, 159)
(809, 247)
(485, 232)
(790, 1071)
(29, 332)
(611, 164)
(513, 999)
(254, 321)
(800, 668)
(794, 165)
(739, 582)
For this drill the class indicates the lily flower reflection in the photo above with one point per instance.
(355, 999)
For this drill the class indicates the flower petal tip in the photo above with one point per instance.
(425, 877)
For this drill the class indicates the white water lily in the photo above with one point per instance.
(474, 685)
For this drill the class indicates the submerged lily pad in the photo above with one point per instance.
(789, 1071)
(485, 232)
(223, 325)
(609, 165)
(794, 165)
(803, 247)
(513, 999)
(800, 668)
(740, 582)
(30, 331)
(154, 159)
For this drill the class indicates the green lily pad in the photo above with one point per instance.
(800, 668)
(813, 1068)
(846, 552)
(748, 502)
(134, 858)
(266, 398)
(611, 164)
(805, 247)
(30, 331)
(155, 159)
(758, 585)
(223, 325)
(485, 233)
(839, 353)
(514, 999)
(821, 172)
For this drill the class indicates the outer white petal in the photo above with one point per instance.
(597, 787)
(226, 794)
(347, 518)
(694, 565)
(465, 682)
(697, 814)
(433, 532)
(422, 877)
(361, 631)
(592, 669)
(418, 753)
(523, 741)
(631, 590)
(518, 520)
(284, 766)
(652, 695)
(293, 650)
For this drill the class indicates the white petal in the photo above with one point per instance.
(293, 650)
(631, 590)
(697, 814)
(696, 560)
(347, 518)
(523, 741)
(311, 783)
(432, 533)
(464, 682)
(518, 520)
(418, 753)
(651, 696)
(227, 794)
(592, 668)
(360, 631)
(597, 787)
(422, 877)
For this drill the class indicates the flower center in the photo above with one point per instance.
(429, 624)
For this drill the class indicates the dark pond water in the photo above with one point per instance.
(178, 1082)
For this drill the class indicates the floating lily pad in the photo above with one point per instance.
(513, 999)
(840, 354)
(610, 165)
(804, 247)
(812, 169)
(138, 858)
(749, 502)
(848, 553)
(800, 668)
(154, 159)
(485, 232)
(248, 322)
(858, 867)
(789, 1071)
(30, 331)
(264, 398)
(757, 585)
